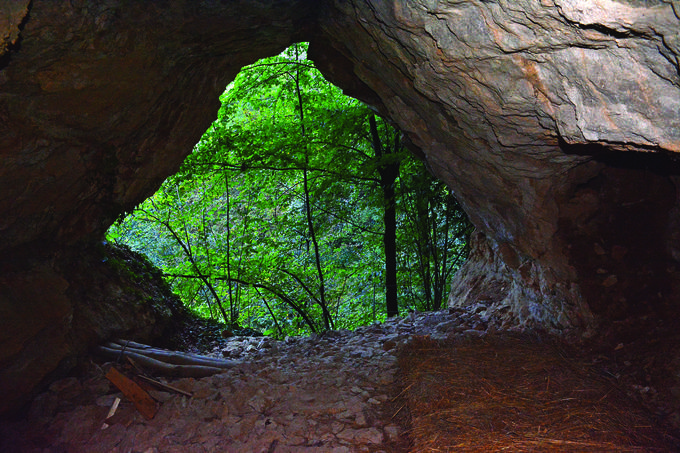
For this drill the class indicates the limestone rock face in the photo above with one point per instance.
(53, 308)
(523, 108)
(557, 124)
(13, 14)
(99, 103)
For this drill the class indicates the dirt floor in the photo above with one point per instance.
(429, 382)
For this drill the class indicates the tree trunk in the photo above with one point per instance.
(389, 172)
(390, 243)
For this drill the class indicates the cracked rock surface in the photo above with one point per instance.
(540, 116)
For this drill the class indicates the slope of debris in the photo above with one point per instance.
(341, 391)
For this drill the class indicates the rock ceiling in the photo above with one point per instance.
(556, 122)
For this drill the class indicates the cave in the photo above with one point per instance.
(556, 123)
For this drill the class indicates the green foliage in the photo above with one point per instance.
(275, 221)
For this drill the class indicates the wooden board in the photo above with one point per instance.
(141, 399)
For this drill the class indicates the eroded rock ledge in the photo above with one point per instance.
(556, 123)
(99, 103)
(55, 306)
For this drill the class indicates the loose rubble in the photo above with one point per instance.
(331, 392)
(344, 391)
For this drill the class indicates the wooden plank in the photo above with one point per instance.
(143, 402)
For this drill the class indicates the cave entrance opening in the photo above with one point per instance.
(300, 210)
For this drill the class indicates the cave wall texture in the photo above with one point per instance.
(556, 122)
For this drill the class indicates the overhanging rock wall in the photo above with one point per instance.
(557, 123)
(99, 103)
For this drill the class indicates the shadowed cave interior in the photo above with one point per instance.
(557, 128)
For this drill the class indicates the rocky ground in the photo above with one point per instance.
(333, 392)
(336, 392)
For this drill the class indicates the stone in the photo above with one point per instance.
(392, 432)
(369, 435)
(66, 388)
(619, 252)
(340, 449)
(13, 15)
(611, 280)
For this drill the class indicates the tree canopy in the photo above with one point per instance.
(300, 210)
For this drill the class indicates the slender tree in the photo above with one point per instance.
(388, 169)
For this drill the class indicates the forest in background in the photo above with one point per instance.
(300, 210)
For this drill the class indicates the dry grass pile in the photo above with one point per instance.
(517, 394)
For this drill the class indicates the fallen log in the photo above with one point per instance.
(160, 361)
(173, 357)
